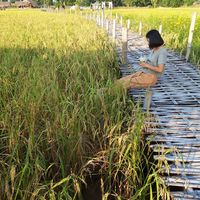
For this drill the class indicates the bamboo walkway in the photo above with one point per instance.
(176, 108)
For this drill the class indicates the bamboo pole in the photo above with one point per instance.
(121, 21)
(128, 24)
(160, 29)
(102, 19)
(140, 28)
(124, 45)
(191, 31)
(107, 26)
(114, 29)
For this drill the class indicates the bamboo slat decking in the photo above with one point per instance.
(176, 107)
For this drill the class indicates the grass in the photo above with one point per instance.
(54, 122)
(175, 26)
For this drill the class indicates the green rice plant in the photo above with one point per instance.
(53, 118)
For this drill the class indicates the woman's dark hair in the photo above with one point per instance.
(155, 39)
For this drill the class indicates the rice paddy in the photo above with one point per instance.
(56, 124)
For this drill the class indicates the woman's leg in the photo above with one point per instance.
(143, 81)
(138, 80)
(126, 80)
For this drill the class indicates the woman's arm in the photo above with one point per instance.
(158, 68)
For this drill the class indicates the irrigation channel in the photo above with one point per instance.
(174, 132)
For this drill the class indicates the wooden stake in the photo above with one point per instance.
(189, 44)
(148, 98)
(114, 29)
(102, 19)
(99, 19)
(121, 21)
(140, 28)
(160, 29)
(124, 45)
(107, 26)
(128, 24)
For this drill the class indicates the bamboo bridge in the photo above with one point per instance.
(174, 134)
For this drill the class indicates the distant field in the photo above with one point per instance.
(175, 23)
(54, 118)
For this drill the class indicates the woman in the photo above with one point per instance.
(150, 69)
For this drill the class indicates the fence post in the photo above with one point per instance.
(102, 19)
(107, 26)
(160, 29)
(128, 24)
(124, 45)
(96, 18)
(140, 28)
(99, 19)
(121, 21)
(189, 44)
(111, 14)
(114, 29)
(148, 99)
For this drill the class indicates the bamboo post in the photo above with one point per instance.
(102, 19)
(191, 31)
(99, 19)
(114, 29)
(140, 28)
(160, 29)
(107, 26)
(148, 99)
(124, 45)
(128, 24)
(96, 19)
(116, 17)
(121, 21)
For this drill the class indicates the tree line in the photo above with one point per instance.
(138, 3)
(157, 3)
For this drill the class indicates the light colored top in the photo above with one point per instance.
(156, 58)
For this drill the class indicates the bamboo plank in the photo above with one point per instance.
(181, 182)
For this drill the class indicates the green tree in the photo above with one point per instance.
(189, 2)
(176, 3)
(128, 2)
(155, 3)
(164, 3)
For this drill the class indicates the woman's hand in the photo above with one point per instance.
(143, 64)
(159, 68)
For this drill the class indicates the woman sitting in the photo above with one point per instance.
(151, 68)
